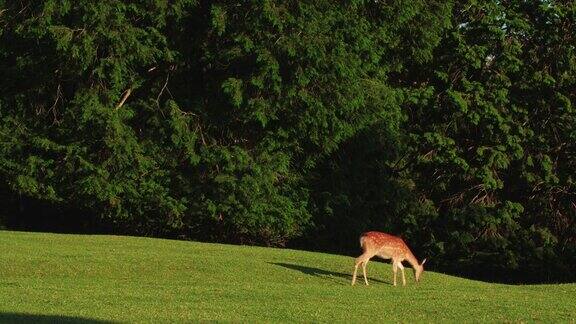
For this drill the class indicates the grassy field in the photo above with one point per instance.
(94, 279)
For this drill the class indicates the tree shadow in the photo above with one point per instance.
(45, 319)
(325, 274)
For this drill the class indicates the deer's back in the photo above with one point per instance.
(386, 245)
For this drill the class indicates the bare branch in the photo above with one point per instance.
(162, 91)
(124, 97)
(53, 108)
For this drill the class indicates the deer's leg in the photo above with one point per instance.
(357, 263)
(395, 270)
(364, 271)
(403, 277)
(354, 274)
(360, 260)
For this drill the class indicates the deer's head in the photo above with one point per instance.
(418, 270)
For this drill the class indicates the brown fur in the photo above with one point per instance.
(386, 246)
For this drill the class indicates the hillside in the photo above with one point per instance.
(73, 278)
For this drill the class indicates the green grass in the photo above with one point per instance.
(74, 278)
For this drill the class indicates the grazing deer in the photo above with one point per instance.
(387, 246)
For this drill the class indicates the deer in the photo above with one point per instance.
(387, 246)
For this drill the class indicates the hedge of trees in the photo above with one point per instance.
(298, 123)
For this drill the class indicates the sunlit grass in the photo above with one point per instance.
(127, 279)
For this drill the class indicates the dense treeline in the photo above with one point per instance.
(299, 123)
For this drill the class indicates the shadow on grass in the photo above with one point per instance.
(45, 319)
(325, 274)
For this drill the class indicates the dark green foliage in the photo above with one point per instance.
(195, 119)
(502, 140)
(269, 122)
(487, 154)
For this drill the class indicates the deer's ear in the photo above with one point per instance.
(423, 261)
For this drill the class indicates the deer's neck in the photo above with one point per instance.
(412, 259)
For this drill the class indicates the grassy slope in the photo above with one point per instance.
(72, 277)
